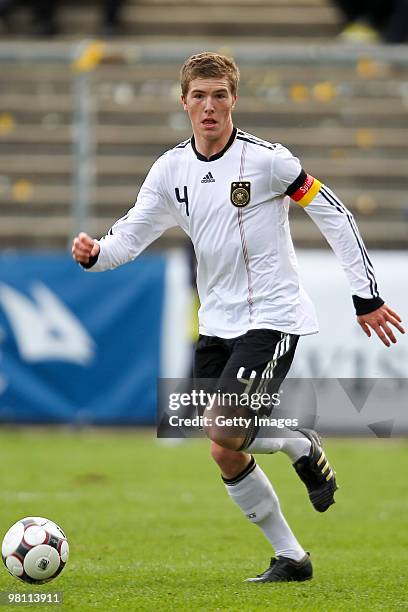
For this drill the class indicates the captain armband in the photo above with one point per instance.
(303, 189)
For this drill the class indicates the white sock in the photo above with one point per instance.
(254, 494)
(294, 443)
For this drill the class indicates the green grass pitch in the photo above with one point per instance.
(151, 528)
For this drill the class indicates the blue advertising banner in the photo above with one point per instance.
(79, 347)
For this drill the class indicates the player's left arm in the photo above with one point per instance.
(338, 226)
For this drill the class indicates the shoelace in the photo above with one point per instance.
(273, 561)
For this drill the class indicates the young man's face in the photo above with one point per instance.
(209, 104)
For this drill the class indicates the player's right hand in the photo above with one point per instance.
(83, 248)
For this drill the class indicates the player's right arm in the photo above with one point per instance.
(130, 235)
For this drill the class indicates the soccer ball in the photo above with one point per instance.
(35, 550)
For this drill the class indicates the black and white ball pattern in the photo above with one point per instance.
(35, 550)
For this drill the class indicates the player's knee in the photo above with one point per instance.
(219, 453)
(228, 437)
(216, 437)
(227, 460)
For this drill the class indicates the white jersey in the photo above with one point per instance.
(234, 207)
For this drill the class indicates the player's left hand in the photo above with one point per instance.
(379, 320)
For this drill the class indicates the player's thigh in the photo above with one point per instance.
(259, 363)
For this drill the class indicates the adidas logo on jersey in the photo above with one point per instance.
(208, 178)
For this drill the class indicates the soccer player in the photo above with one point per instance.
(230, 191)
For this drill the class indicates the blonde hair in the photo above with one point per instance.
(209, 65)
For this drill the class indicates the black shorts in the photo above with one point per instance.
(256, 362)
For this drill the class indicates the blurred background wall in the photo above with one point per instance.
(89, 97)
